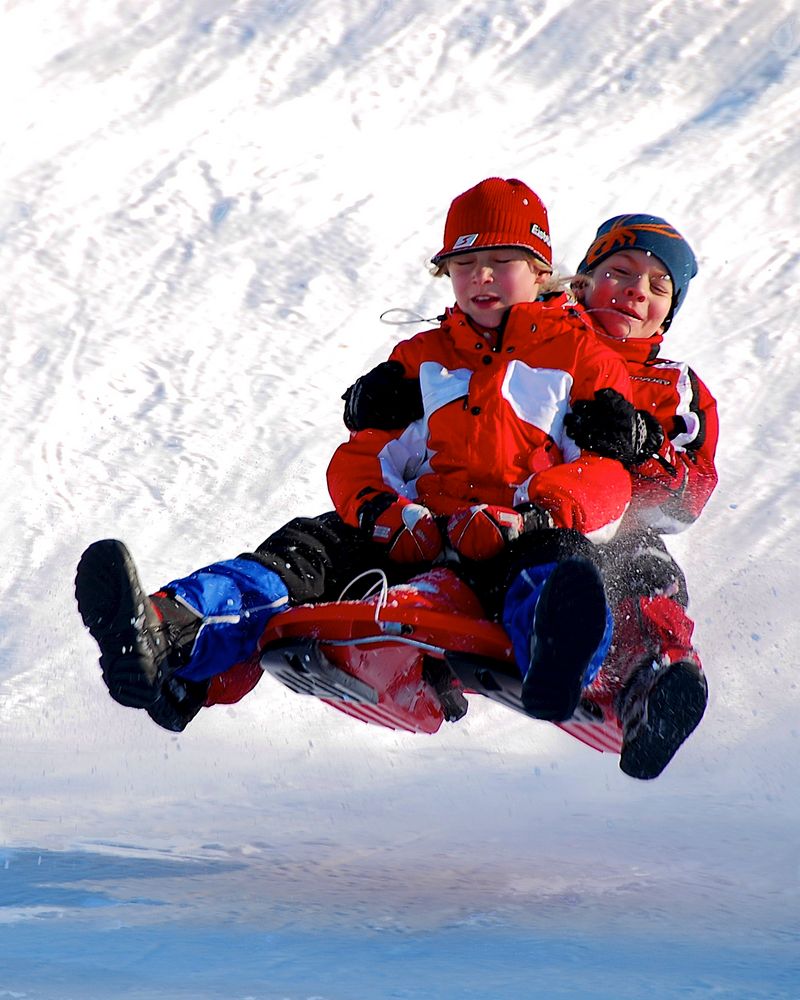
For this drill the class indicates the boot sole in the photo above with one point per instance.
(674, 709)
(119, 617)
(570, 622)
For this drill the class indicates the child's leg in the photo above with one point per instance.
(317, 557)
(653, 681)
(158, 651)
(640, 565)
(196, 627)
(556, 615)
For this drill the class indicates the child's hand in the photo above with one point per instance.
(383, 398)
(408, 529)
(484, 530)
(609, 425)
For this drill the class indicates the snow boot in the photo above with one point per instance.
(178, 703)
(568, 626)
(658, 709)
(143, 639)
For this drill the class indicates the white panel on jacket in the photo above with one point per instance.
(540, 396)
(441, 386)
(685, 392)
(404, 459)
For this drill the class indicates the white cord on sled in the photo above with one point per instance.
(386, 637)
(388, 629)
(381, 586)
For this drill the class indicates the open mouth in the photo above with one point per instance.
(628, 314)
(623, 310)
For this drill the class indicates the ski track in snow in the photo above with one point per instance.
(206, 207)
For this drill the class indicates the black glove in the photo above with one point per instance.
(383, 399)
(534, 517)
(613, 427)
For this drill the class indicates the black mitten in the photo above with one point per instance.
(613, 427)
(383, 399)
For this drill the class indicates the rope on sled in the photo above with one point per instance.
(381, 586)
(387, 629)
(388, 636)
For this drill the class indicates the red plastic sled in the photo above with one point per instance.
(374, 658)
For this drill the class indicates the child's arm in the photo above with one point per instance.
(671, 489)
(587, 492)
(373, 463)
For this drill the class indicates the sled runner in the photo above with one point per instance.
(404, 659)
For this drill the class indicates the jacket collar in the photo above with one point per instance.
(456, 318)
(634, 349)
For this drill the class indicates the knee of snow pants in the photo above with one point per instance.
(653, 628)
(518, 612)
(235, 599)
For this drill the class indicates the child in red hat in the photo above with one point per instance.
(488, 471)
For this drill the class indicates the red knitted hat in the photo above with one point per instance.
(496, 213)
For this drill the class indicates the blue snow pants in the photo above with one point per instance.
(235, 598)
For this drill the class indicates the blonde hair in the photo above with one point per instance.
(558, 284)
(579, 284)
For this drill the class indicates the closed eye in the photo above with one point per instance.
(660, 284)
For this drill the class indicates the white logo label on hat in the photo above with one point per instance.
(538, 231)
(465, 241)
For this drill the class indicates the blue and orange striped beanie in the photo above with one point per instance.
(653, 235)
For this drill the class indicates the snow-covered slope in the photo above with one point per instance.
(205, 208)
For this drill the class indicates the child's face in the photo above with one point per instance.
(631, 295)
(487, 282)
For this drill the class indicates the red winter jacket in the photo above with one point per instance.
(492, 430)
(670, 491)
